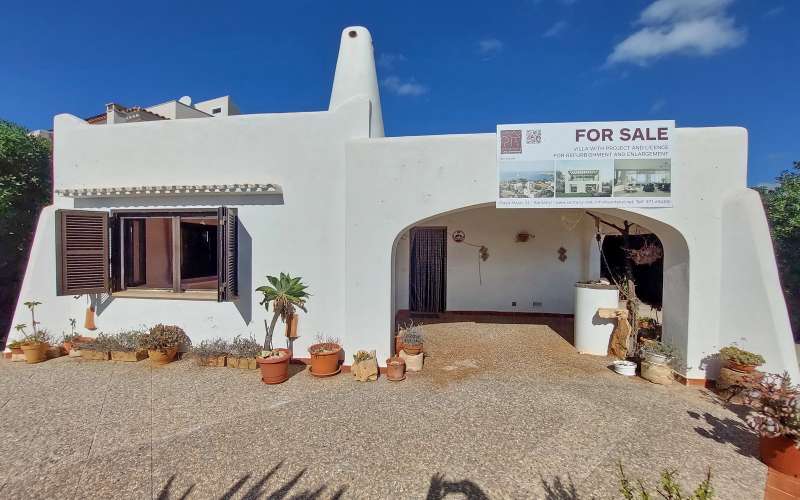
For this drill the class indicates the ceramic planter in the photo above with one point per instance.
(129, 356)
(35, 353)
(216, 361)
(325, 364)
(162, 358)
(95, 355)
(412, 350)
(655, 358)
(780, 454)
(274, 370)
(626, 368)
(395, 369)
(733, 365)
(67, 346)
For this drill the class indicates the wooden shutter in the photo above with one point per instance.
(227, 254)
(81, 252)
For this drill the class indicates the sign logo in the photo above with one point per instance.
(510, 142)
(533, 136)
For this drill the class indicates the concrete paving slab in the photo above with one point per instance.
(502, 410)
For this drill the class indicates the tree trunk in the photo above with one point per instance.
(270, 330)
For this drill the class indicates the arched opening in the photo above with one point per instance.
(521, 265)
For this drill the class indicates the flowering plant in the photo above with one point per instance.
(773, 401)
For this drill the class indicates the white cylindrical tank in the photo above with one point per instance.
(592, 332)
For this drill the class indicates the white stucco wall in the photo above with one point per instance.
(436, 175)
(514, 272)
(300, 231)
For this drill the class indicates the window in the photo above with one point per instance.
(573, 188)
(150, 253)
(216, 111)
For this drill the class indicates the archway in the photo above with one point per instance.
(521, 264)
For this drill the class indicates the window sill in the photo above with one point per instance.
(208, 295)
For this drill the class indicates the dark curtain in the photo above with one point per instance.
(649, 279)
(428, 275)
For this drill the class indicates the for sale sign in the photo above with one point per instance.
(593, 164)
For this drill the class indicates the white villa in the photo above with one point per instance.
(176, 213)
(582, 181)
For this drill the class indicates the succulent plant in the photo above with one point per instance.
(163, 337)
(125, 341)
(740, 356)
(324, 344)
(773, 402)
(213, 348)
(659, 348)
(245, 347)
(362, 356)
(412, 335)
(101, 343)
(274, 353)
(39, 336)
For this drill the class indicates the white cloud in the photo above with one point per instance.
(658, 106)
(774, 11)
(489, 47)
(388, 61)
(692, 27)
(555, 29)
(409, 87)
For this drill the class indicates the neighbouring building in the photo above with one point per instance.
(159, 218)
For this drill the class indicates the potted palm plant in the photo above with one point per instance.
(286, 294)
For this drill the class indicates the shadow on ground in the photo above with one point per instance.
(728, 431)
(250, 488)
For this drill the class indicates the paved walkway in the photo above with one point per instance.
(501, 411)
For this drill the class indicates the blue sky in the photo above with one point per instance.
(445, 67)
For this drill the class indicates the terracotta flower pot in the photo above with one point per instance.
(780, 454)
(67, 346)
(395, 369)
(739, 367)
(412, 350)
(16, 350)
(274, 370)
(162, 358)
(35, 353)
(327, 363)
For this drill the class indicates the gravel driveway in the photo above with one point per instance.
(500, 411)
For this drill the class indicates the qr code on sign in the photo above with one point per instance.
(533, 136)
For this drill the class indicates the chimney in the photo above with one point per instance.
(356, 76)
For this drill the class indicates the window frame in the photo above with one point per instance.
(117, 262)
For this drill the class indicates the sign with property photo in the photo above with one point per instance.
(592, 164)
